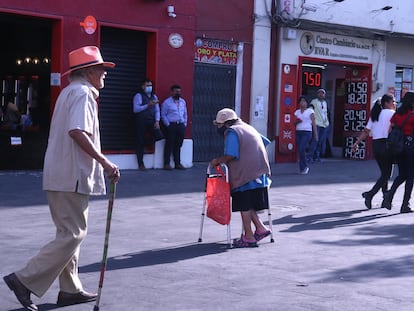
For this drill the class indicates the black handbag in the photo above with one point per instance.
(397, 142)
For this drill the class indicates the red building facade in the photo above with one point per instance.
(145, 38)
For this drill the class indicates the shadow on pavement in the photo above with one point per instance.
(380, 269)
(326, 221)
(157, 257)
(42, 307)
(401, 234)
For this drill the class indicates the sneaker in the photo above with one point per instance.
(305, 171)
(242, 243)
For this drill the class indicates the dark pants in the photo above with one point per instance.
(384, 161)
(405, 174)
(145, 133)
(302, 140)
(318, 148)
(174, 141)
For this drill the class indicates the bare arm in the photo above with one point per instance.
(83, 140)
(221, 160)
(364, 134)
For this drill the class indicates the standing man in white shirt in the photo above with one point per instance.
(320, 106)
(174, 117)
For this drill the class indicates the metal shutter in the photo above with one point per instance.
(127, 49)
(214, 89)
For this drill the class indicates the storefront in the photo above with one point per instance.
(399, 77)
(215, 70)
(25, 68)
(38, 41)
(350, 69)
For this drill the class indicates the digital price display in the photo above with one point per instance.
(357, 93)
(355, 115)
(360, 153)
(354, 120)
(311, 77)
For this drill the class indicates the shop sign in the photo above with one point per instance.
(89, 24)
(324, 45)
(216, 51)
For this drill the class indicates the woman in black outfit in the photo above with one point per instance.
(379, 125)
(405, 159)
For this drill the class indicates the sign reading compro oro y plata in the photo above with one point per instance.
(215, 51)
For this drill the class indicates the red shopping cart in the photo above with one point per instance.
(217, 199)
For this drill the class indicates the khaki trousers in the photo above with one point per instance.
(59, 257)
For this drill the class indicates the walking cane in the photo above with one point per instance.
(105, 250)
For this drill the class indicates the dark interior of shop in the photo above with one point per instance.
(25, 90)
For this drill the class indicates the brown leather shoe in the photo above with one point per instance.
(142, 167)
(67, 299)
(179, 167)
(21, 292)
(167, 167)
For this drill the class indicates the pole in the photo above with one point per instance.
(105, 250)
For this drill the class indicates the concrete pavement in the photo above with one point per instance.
(330, 253)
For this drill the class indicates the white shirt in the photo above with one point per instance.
(305, 116)
(380, 129)
(321, 112)
(67, 167)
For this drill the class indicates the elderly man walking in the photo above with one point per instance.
(73, 170)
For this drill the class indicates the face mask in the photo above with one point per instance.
(221, 130)
(176, 96)
(148, 89)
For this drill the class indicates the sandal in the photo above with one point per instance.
(242, 242)
(261, 235)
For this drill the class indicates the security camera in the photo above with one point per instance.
(170, 11)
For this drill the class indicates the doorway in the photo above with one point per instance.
(214, 89)
(348, 94)
(25, 66)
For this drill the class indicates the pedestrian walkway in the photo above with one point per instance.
(330, 253)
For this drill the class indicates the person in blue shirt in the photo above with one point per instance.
(249, 170)
(147, 120)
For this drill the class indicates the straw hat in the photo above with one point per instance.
(224, 115)
(85, 57)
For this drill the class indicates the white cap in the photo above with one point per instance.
(224, 115)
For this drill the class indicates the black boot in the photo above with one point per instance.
(405, 208)
(368, 199)
(387, 201)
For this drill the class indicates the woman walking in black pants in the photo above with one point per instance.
(404, 160)
(379, 126)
